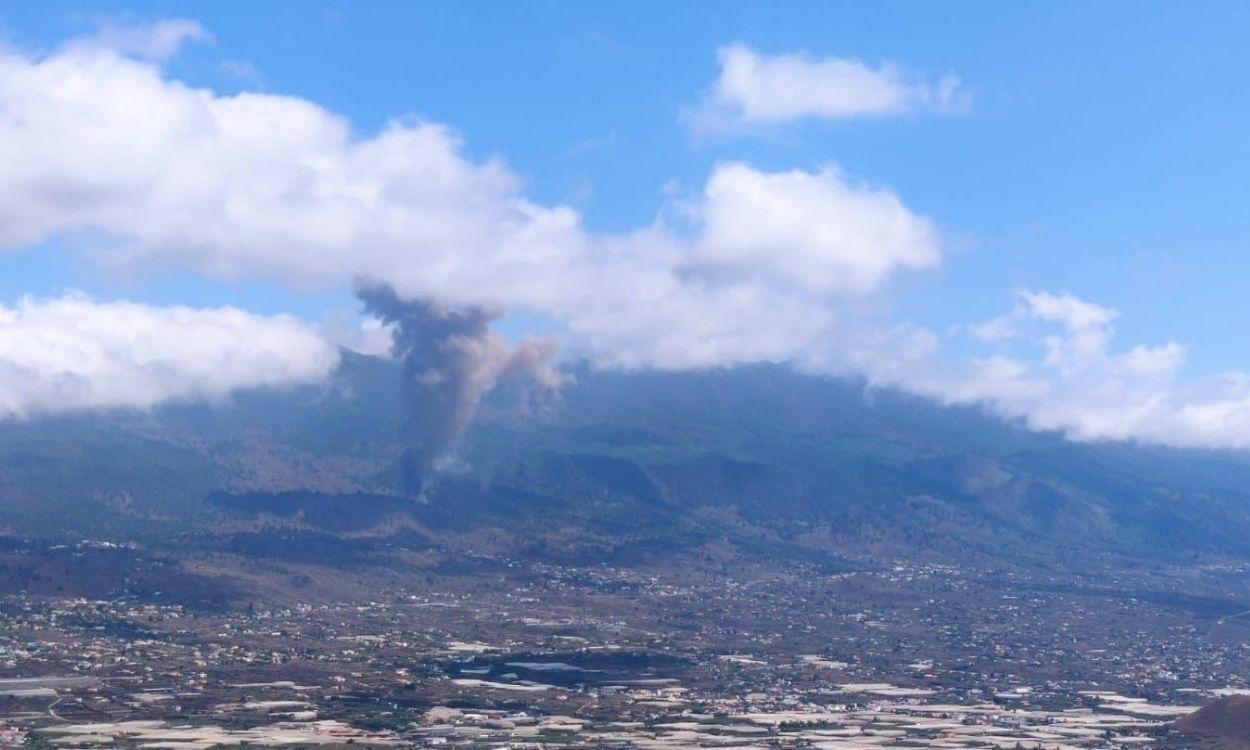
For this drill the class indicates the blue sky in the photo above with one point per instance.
(1103, 152)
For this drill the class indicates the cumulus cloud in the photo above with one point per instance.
(814, 230)
(72, 353)
(99, 144)
(754, 88)
(1053, 364)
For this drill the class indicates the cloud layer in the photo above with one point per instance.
(97, 144)
(100, 145)
(759, 89)
(72, 353)
(1052, 362)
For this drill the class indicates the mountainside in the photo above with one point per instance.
(1226, 722)
(756, 461)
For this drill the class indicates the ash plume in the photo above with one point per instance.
(451, 360)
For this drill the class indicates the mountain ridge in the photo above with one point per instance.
(664, 462)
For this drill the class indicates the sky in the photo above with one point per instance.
(1035, 207)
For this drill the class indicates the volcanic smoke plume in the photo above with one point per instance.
(451, 359)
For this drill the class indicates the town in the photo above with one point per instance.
(529, 655)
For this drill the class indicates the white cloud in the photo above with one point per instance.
(1001, 328)
(755, 88)
(160, 40)
(810, 229)
(72, 353)
(101, 146)
(1153, 360)
(1063, 374)
(375, 337)
(1073, 313)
